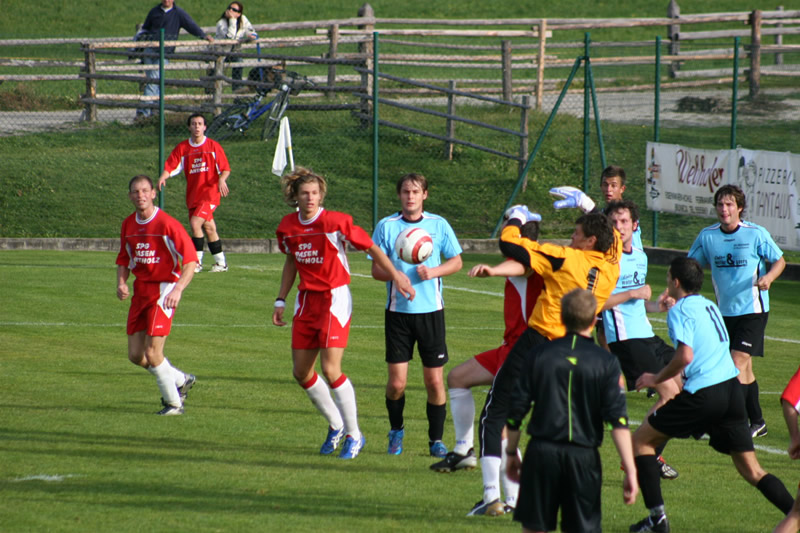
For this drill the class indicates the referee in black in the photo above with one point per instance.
(575, 387)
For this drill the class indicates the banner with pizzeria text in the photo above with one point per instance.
(683, 180)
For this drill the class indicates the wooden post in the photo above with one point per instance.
(219, 63)
(90, 114)
(450, 127)
(523, 141)
(540, 70)
(506, 59)
(779, 41)
(365, 49)
(674, 35)
(755, 53)
(333, 36)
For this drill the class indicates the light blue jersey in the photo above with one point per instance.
(737, 260)
(628, 320)
(696, 322)
(637, 238)
(429, 293)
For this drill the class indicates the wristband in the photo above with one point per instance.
(280, 302)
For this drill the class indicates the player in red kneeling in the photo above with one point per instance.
(314, 241)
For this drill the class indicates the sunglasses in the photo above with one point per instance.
(234, 9)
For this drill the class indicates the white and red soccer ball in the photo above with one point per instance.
(414, 245)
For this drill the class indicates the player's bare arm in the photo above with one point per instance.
(123, 291)
(506, 269)
(451, 266)
(765, 281)
(162, 179)
(790, 416)
(630, 484)
(384, 270)
(640, 293)
(513, 462)
(287, 281)
(223, 183)
(683, 356)
(174, 296)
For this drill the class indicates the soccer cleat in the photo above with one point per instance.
(395, 442)
(170, 410)
(659, 525)
(508, 509)
(184, 389)
(455, 461)
(219, 268)
(493, 508)
(758, 429)
(667, 472)
(438, 449)
(332, 440)
(351, 447)
(198, 268)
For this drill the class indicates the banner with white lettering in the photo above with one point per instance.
(683, 180)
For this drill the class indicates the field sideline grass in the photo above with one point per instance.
(245, 453)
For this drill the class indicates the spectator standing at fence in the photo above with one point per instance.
(234, 25)
(206, 168)
(155, 248)
(738, 253)
(171, 18)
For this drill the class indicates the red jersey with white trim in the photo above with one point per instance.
(318, 246)
(155, 249)
(201, 164)
(521, 293)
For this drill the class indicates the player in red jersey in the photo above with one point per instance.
(156, 249)
(314, 241)
(206, 168)
(790, 402)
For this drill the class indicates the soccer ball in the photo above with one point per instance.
(414, 245)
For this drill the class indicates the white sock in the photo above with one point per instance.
(345, 398)
(220, 258)
(462, 408)
(510, 488)
(490, 470)
(177, 374)
(321, 398)
(166, 383)
(200, 258)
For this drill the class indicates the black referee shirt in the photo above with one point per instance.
(574, 386)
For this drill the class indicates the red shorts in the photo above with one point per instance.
(147, 312)
(792, 391)
(322, 319)
(204, 210)
(492, 360)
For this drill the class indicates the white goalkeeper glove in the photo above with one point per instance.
(572, 197)
(521, 213)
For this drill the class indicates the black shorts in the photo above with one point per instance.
(747, 333)
(637, 356)
(718, 410)
(557, 475)
(426, 330)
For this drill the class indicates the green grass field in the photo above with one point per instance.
(82, 449)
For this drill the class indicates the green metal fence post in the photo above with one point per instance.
(735, 96)
(374, 129)
(656, 122)
(586, 110)
(161, 155)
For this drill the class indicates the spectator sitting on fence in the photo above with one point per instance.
(171, 18)
(234, 25)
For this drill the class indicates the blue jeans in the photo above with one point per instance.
(150, 89)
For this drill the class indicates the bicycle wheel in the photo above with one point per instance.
(232, 120)
(273, 120)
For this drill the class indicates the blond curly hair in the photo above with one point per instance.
(290, 184)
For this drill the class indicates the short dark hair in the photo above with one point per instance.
(732, 190)
(597, 225)
(140, 177)
(196, 115)
(613, 171)
(688, 272)
(530, 230)
(419, 179)
(616, 205)
(578, 309)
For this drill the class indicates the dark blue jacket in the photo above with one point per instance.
(172, 21)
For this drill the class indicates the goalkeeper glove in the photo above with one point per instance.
(572, 197)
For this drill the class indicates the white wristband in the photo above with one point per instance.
(280, 302)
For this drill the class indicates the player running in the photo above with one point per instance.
(155, 248)
(314, 241)
(206, 168)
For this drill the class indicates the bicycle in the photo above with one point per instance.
(239, 116)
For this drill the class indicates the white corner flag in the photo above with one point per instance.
(283, 147)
